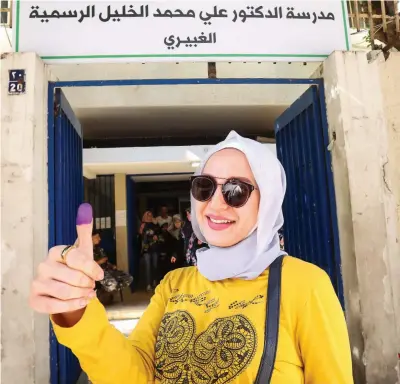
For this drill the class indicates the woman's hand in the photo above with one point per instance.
(64, 289)
(102, 260)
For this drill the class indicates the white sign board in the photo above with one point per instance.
(120, 218)
(99, 31)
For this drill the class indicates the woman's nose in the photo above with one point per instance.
(217, 201)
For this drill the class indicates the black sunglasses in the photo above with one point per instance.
(236, 192)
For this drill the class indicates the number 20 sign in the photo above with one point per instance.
(16, 81)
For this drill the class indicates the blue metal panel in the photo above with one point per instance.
(65, 195)
(52, 230)
(310, 229)
(99, 193)
(232, 81)
(133, 256)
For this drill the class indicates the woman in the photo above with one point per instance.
(194, 245)
(113, 278)
(150, 249)
(206, 324)
(187, 231)
(177, 245)
(170, 246)
(175, 229)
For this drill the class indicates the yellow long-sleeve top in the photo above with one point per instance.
(202, 332)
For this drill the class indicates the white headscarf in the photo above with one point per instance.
(172, 228)
(249, 258)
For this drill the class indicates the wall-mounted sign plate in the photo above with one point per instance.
(16, 81)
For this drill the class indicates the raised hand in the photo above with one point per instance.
(66, 285)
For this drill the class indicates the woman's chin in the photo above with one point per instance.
(218, 238)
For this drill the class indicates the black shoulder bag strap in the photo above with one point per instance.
(271, 322)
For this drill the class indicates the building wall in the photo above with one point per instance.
(24, 221)
(389, 72)
(170, 95)
(361, 103)
(145, 160)
(6, 38)
(121, 234)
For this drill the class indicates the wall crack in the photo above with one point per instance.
(384, 176)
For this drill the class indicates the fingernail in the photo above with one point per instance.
(100, 276)
(85, 214)
(83, 302)
(92, 295)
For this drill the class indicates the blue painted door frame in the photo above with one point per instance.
(64, 367)
(131, 224)
(65, 194)
(310, 229)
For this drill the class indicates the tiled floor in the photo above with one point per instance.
(132, 307)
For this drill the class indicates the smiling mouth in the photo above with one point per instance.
(215, 221)
(219, 224)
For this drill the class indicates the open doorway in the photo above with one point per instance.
(298, 125)
(162, 194)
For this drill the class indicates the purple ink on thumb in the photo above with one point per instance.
(85, 214)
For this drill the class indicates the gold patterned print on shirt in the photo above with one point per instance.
(215, 356)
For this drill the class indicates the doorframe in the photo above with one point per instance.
(318, 82)
(52, 85)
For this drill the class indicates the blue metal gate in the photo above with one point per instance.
(65, 195)
(99, 193)
(310, 229)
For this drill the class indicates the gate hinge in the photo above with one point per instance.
(332, 142)
(57, 109)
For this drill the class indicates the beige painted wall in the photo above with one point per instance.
(389, 71)
(121, 234)
(24, 221)
(366, 210)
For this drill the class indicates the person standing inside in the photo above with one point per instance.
(187, 231)
(191, 252)
(176, 232)
(168, 251)
(149, 232)
(164, 217)
(114, 279)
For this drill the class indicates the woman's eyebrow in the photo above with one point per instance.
(244, 179)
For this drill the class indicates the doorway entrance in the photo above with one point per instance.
(151, 192)
(301, 133)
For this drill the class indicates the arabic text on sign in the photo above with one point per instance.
(131, 11)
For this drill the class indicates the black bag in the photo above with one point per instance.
(271, 322)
